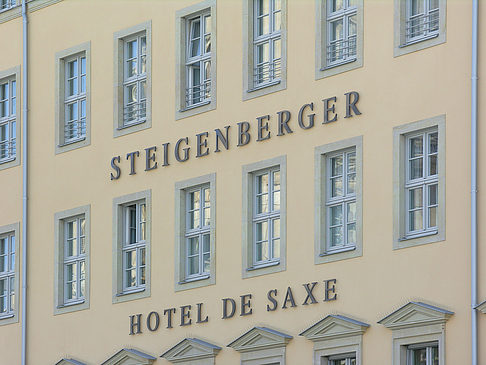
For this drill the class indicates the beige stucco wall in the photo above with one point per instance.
(393, 91)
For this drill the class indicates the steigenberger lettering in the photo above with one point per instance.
(151, 158)
(243, 306)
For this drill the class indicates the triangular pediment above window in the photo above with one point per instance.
(260, 338)
(334, 326)
(191, 349)
(415, 314)
(129, 357)
(482, 307)
(69, 362)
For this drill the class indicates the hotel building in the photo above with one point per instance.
(253, 182)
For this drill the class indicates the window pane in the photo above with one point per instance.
(416, 147)
(351, 183)
(435, 356)
(351, 233)
(419, 357)
(207, 24)
(206, 262)
(263, 54)
(12, 293)
(277, 49)
(195, 47)
(416, 198)
(3, 132)
(352, 25)
(351, 212)
(416, 168)
(337, 166)
(193, 246)
(336, 236)
(262, 203)
(336, 215)
(336, 31)
(416, 220)
(262, 184)
(193, 265)
(277, 21)
(73, 69)
(3, 255)
(131, 259)
(433, 143)
(276, 201)
(337, 186)
(12, 256)
(262, 231)
(131, 278)
(262, 253)
(276, 228)
(131, 93)
(433, 165)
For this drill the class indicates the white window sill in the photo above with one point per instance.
(264, 264)
(263, 86)
(339, 250)
(194, 278)
(418, 40)
(337, 64)
(126, 292)
(194, 106)
(125, 126)
(10, 315)
(72, 141)
(70, 304)
(418, 235)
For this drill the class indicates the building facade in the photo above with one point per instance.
(252, 182)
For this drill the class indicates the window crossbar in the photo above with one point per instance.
(135, 112)
(423, 24)
(267, 71)
(341, 50)
(75, 129)
(198, 93)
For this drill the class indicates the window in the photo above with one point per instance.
(262, 346)
(422, 183)
(8, 119)
(71, 263)
(339, 36)
(135, 80)
(133, 75)
(195, 220)
(6, 4)
(198, 88)
(74, 260)
(337, 340)
(418, 334)
(75, 99)
(423, 354)
(131, 246)
(73, 87)
(419, 213)
(420, 24)
(196, 59)
(7, 275)
(264, 217)
(338, 200)
(134, 250)
(265, 59)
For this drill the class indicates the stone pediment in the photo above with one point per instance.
(334, 326)
(129, 357)
(191, 349)
(69, 362)
(415, 314)
(260, 338)
(482, 307)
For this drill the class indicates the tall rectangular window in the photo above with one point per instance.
(422, 19)
(198, 225)
(75, 248)
(7, 274)
(422, 180)
(266, 216)
(134, 246)
(198, 60)
(341, 199)
(75, 99)
(7, 4)
(135, 80)
(267, 41)
(342, 31)
(8, 119)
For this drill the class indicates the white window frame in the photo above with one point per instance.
(203, 84)
(76, 126)
(403, 42)
(122, 124)
(250, 265)
(137, 79)
(9, 145)
(138, 246)
(331, 360)
(266, 217)
(267, 75)
(343, 201)
(183, 279)
(121, 291)
(82, 137)
(79, 259)
(344, 15)
(7, 4)
(10, 295)
(402, 237)
(420, 346)
(423, 183)
(426, 17)
(275, 81)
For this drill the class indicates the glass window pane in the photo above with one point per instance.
(193, 265)
(206, 262)
(351, 233)
(435, 355)
(351, 184)
(433, 142)
(276, 201)
(336, 186)
(131, 259)
(336, 5)
(131, 93)
(131, 278)
(262, 231)
(262, 203)
(193, 248)
(337, 166)
(132, 49)
(276, 228)
(336, 236)
(336, 32)
(277, 21)
(416, 147)
(416, 220)
(73, 69)
(416, 168)
(262, 183)
(351, 212)
(276, 248)
(262, 251)
(416, 198)
(416, 7)
(336, 217)
(432, 165)
(433, 194)
(3, 132)
(263, 54)
(419, 357)
(206, 243)
(277, 49)
(352, 25)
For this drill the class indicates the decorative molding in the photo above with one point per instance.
(69, 362)
(259, 338)
(124, 356)
(334, 326)
(415, 314)
(191, 349)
